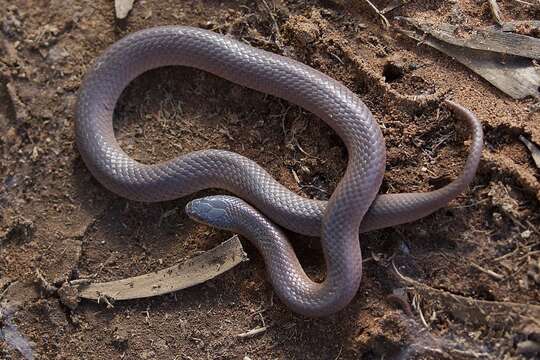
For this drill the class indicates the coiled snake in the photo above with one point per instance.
(354, 207)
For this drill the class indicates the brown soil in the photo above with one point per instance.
(57, 219)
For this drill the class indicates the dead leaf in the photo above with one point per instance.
(193, 272)
(517, 76)
(535, 151)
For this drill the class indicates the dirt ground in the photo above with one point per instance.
(57, 220)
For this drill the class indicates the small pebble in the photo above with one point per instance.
(122, 8)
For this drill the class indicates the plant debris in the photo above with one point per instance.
(122, 8)
(533, 148)
(495, 11)
(193, 272)
(473, 310)
(502, 58)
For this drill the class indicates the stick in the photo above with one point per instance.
(385, 21)
(487, 271)
(252, 332)
(495, 11)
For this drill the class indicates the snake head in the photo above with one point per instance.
(216, 211)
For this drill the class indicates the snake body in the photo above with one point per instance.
(354, 206)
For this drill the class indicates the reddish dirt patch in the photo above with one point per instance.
(58, 219)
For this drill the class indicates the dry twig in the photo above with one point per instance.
(529, 3)
(495, 11)
(252, 332)
(384, 20)
(472, 310)
(491, 273)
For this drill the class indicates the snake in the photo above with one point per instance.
(261, 207)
